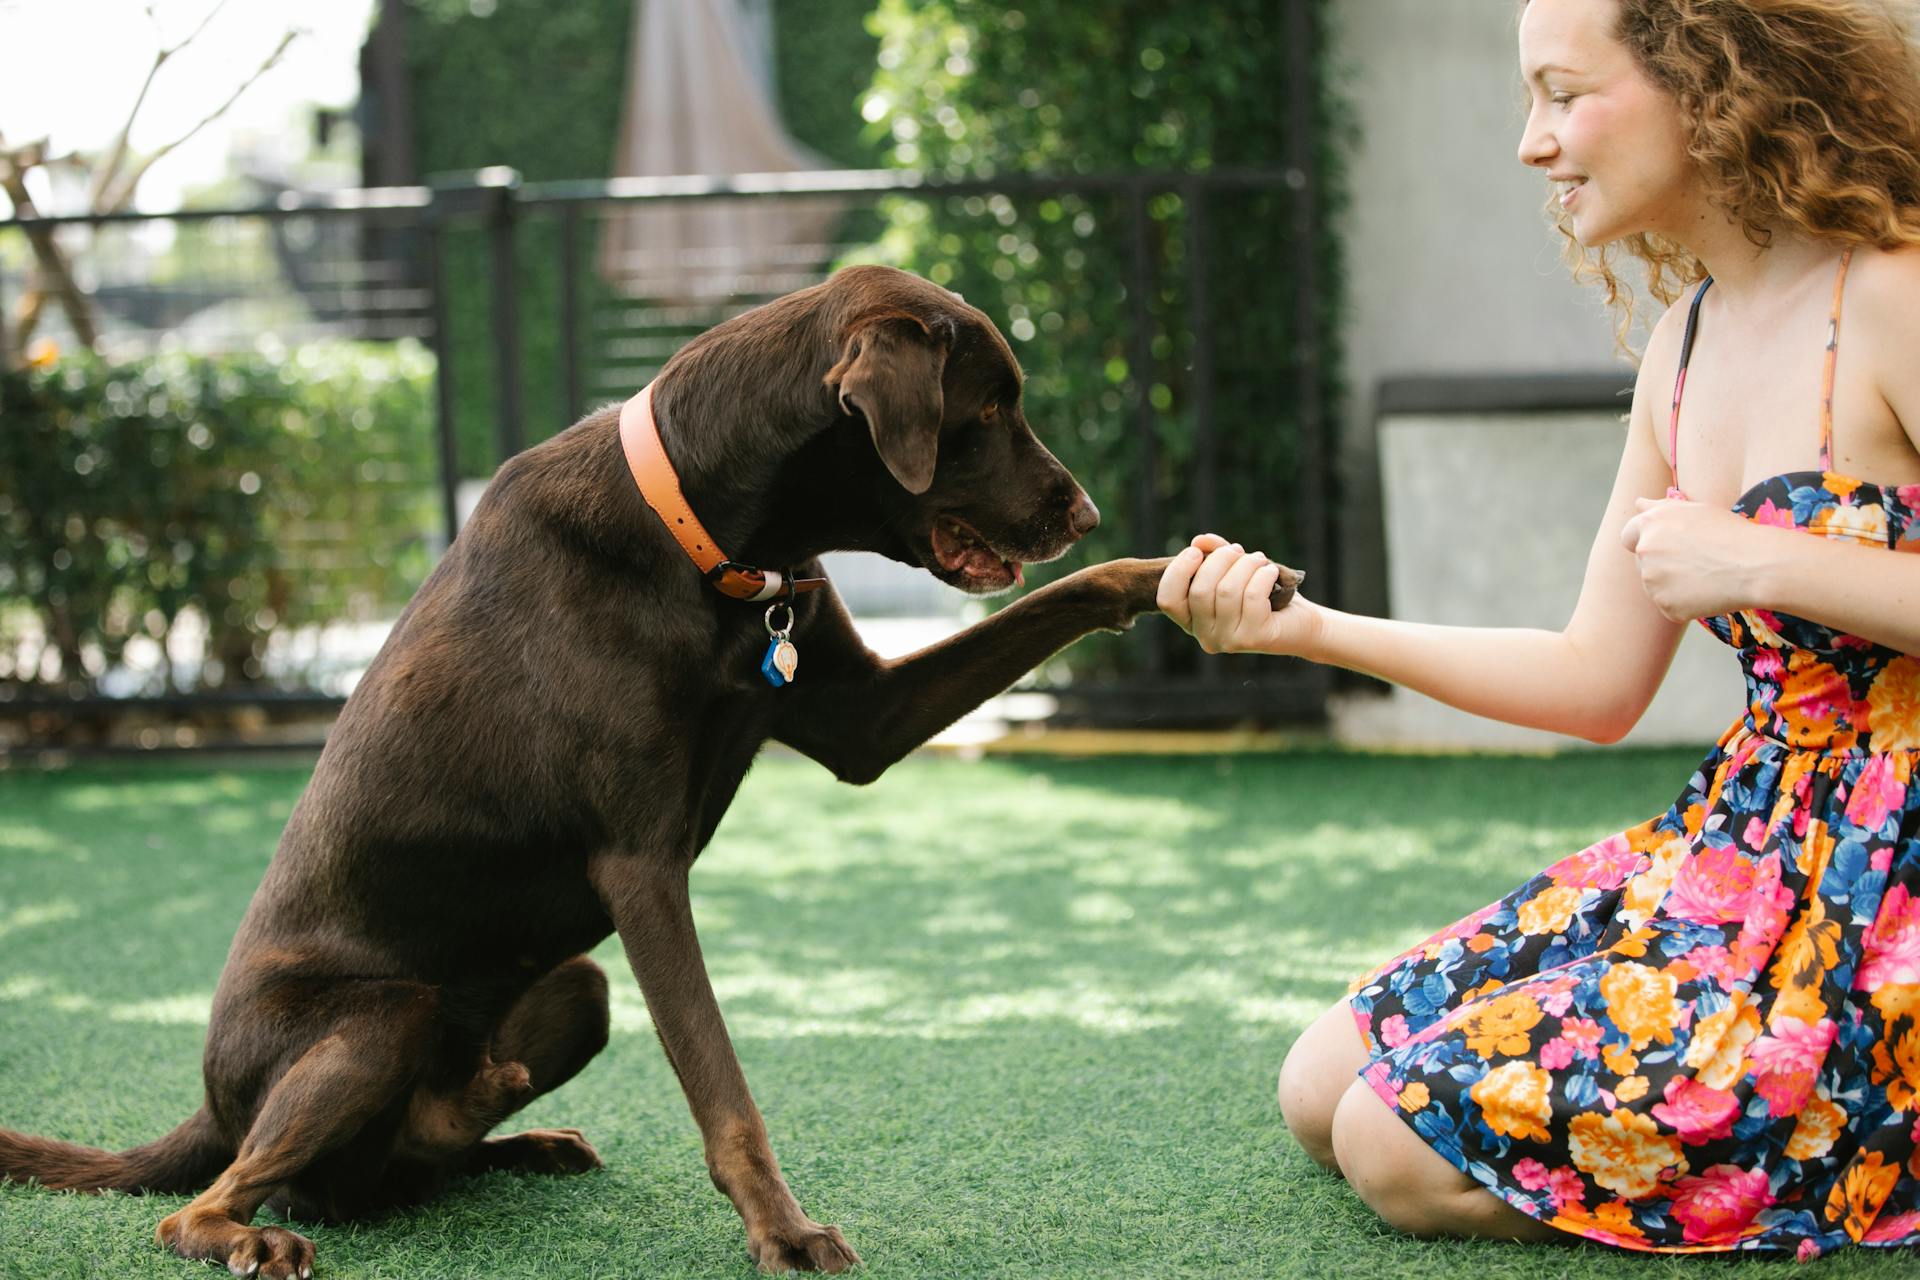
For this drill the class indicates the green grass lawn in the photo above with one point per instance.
(1004, 1019)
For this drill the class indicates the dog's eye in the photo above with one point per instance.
(990, 414)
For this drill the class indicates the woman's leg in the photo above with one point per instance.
(1316, 1073)
(1412, 1186)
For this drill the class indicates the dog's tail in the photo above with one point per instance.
(184, 1161)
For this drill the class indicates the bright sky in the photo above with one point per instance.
(70, 70)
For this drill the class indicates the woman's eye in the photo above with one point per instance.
(1561, 99)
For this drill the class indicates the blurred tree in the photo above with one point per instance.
(111, 179)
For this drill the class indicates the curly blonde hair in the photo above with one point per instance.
(1801, 114)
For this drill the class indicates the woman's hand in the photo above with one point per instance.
(1696, 561)
(1220, 593)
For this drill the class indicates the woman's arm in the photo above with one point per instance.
(1592, 679)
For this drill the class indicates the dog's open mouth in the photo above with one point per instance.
(970, 563)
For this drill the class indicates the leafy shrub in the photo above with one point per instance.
(253, 493)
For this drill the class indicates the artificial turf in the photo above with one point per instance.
(1006, 1018)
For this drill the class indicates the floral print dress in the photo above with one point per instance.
(1703, 1033)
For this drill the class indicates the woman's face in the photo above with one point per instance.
(1610, 140)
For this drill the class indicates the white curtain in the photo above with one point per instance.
(698, 101)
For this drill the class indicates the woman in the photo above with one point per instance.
(1702, 1033)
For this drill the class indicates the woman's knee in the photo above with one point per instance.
(1388, 1166)
(1411, 1186)
(1316, 1072)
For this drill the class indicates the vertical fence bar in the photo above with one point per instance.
(1147, 533)
(1206, 453)
(6, 331)
(502, 186)
(1200, 325)
(1309, 411)
(442, 371)
(570, 307)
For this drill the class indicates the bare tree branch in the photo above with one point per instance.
(122, 194)
(191, 35)
(117, 153)
(47, 256)
(109, 168)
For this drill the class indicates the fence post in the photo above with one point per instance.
(502, 185)
(435, 226)
(1147, 532)
(1206, 454)
(6, 342)
(1310, 427)
(570, 306)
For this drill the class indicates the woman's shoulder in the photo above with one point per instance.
(1881, 326)
(1883, 287)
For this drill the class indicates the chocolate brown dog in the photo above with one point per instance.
(550, 736)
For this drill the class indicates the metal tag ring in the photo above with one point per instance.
(782, 630)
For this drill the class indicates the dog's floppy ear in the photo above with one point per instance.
(889, 372)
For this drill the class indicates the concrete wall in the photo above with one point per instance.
(1490, 518)
(1452, 267)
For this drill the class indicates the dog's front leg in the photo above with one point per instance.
(648, 904)
(858, 714)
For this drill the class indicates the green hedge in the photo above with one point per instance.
(985, 87)
(539, 87)
(256, 493)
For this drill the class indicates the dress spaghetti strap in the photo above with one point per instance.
(1680, 386)
(1833, 359)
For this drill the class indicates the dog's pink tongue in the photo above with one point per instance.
(979, 560)
(1019, 572)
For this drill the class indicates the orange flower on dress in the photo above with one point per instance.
(1818, 1124)
(1864, 523)
(1896, 1064)
(1856, 1199)
(1897, 1000)
(1631, 1088)
(1612, 1220)
(1501, 1025)
(1625, 1152)
(1619, 1059)
(1551, 910)
(1811, 947)
(1515, 1100)
(1894, 704)
(1810, 700)
(1640, 1001)
(1414, 1097)
(1718, 1050)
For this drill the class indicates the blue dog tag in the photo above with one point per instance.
(781, 662)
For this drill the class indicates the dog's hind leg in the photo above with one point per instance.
(359, 1069)
(554, 1030)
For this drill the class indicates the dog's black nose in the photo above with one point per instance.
(1083, 517)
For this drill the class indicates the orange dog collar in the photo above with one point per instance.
(660, 486)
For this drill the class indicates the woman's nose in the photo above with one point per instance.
(1537, 145)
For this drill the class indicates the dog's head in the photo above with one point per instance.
(969, 492)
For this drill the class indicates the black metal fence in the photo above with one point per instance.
(506, 282)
